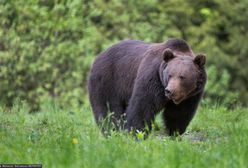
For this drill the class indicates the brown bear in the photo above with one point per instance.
(140, 79)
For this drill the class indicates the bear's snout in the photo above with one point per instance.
(171, 95)
(168, 93)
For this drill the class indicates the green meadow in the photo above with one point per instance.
(57, 137)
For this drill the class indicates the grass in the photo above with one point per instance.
(58, 137)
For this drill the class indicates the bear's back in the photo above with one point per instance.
(118, 65)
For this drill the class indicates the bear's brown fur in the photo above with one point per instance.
(140, 79)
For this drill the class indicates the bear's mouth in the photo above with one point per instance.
(177, 101)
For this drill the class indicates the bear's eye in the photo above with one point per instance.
(182, 77)
(169, 76)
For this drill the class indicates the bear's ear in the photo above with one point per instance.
(168, 55)
(200, 60)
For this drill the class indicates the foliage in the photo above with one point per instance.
(57, 137)
(217, 88)
(47, 47)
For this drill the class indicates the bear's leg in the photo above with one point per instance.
(147, 98)
(117, 107)
(176, 126)
(142, 108)
(178, 117)
(100, 110)
(97, 98)
(99, 107)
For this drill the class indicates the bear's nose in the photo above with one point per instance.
(167, 93)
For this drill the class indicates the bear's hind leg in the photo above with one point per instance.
(118, 107)
(99, 107)
(98, 98)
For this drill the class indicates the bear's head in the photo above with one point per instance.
(182, 75)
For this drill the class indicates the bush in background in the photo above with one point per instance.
(47, 47)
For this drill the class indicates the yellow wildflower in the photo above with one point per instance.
(74, 141)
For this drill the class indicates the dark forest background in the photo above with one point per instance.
(47, 47)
